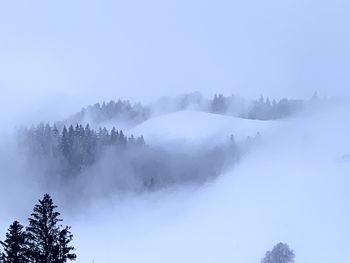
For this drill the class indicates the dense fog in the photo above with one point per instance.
(290, 185)
(200, 131)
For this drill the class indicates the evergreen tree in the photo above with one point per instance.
(218, 104)
(14, 245)
(47, 242)
(281, 253)
(114, 135)
(64, 145)
(64, 249)
(141, 141)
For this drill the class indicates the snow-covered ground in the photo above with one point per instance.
(292, 189)
(193, 127)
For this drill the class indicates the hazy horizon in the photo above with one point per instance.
(218, 180)
(52, 53)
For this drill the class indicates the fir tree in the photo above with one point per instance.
(45, 235)
(14, 245)
(218, 104)
(64, 145)
(64, 250)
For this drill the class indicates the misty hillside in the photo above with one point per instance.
(174, 131)
(168, 149)
(189, 150)
(129, 115)
(163, 150)
(71, 155)
(155, 151)
(98, 114)
(200, 127)
(290, 188)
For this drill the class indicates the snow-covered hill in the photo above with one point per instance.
(291, 190)
(294, 188)
(196, 127)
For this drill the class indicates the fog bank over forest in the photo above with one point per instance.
(294, 188)
(175, 131)
(294, 180)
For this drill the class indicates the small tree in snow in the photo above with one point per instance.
(280, 253)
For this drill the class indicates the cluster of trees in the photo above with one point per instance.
(262, 109)
(74, 147)
(44, 240)
(79, 155)
(127, 163)
(132, 114)
(281, 253)
(219, 104)
(121, 110)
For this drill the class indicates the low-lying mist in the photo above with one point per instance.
(194, 206)
(291, 189)
(97, 111)
(80, 165)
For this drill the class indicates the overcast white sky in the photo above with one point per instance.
(57, 56)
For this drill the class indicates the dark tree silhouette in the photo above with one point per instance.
(64, 249)
(15, 250)
(47, 241)
(281, 253)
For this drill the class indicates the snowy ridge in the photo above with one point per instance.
(197, 127)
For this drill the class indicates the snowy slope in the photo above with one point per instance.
(291, 190)
(195, 127)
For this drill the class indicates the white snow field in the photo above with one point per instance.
(193, 127)
(291, 189)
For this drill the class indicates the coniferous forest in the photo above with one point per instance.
(74, 148)
(125, 112)
(74, 153)
(71, 149)
(70, 155)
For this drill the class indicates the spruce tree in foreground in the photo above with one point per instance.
(64, 248)
(280, 253)
(14, 245)
(48, 242)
